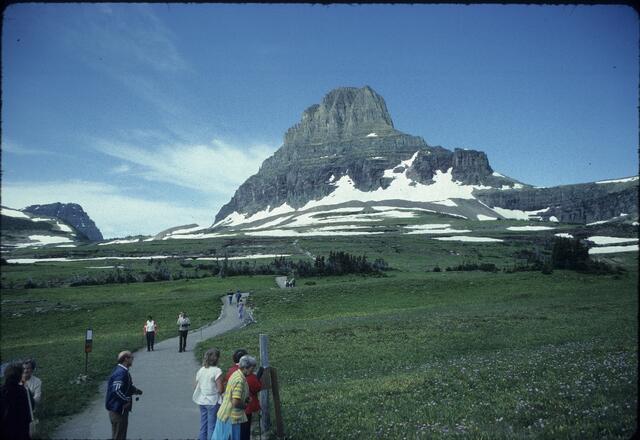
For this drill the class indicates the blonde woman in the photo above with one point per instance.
(208, 392)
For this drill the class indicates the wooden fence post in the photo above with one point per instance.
(276, 403)
(265, 421)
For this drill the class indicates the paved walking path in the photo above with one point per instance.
(167, 377)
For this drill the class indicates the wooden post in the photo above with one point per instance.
(265, 421)
(276, 403)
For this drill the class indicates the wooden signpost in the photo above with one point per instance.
(88, 346)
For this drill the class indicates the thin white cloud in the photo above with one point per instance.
(130, 44)
(217, 168)
(19, 149)
(121, 169)
(115, 212)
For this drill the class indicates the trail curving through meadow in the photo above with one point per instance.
(165, 410)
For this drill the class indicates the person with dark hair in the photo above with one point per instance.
(235, 358)
(15, 404)
(236, 398)
(119, 391)
(150, 330)
(30, 382)
(208, 392)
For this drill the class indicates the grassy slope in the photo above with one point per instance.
(452, 352)
(424, 355)
(50, 324)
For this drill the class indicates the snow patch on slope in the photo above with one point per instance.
(13, 213)
(601, 239)
(516, 214)
(529, 228)
(468, 238)
(627, 179)
(613, 249)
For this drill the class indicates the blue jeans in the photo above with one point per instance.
(207, 420)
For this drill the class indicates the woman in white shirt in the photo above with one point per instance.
(208, 392)
(150, 329)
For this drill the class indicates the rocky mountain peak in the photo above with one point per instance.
(344, 113)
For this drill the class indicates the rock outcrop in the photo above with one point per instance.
(72, 214)
(580, 203)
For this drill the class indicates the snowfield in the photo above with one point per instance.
(613, 249)
(434, 228)
(468, 238)
(440, 231)
(244, 257)
(516, 214)
(196, 236)
(628, 179)
(42, 240)
(310, 233)
(13, 213)
(123, 241)
(49, 260)
(187, 230)
(601, 239)
(529, 228)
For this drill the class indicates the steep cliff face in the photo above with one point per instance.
(350, 133)
(581, 203)
(70, 213)
(344, 113)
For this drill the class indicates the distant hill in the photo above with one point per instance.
(72, 214)
(61, 225)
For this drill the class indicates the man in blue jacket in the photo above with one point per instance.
(119, 391)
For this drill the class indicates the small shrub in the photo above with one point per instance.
(547, 269)
(437, 269)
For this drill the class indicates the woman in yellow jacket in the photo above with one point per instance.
(236, 398)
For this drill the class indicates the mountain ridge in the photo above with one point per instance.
(350, 133)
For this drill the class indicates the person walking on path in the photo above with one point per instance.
(120, 388)
(208, 392)
(183, 328)
(230, 296)
(236, 398)
(30, 382)
(241, 311)
(238, 296)
(150, 330)
(14, 401)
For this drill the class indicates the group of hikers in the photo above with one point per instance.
(150, 330)
(239, 304)
(226, 403)
(19, 395)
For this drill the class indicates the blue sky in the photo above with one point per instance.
(151, 115)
